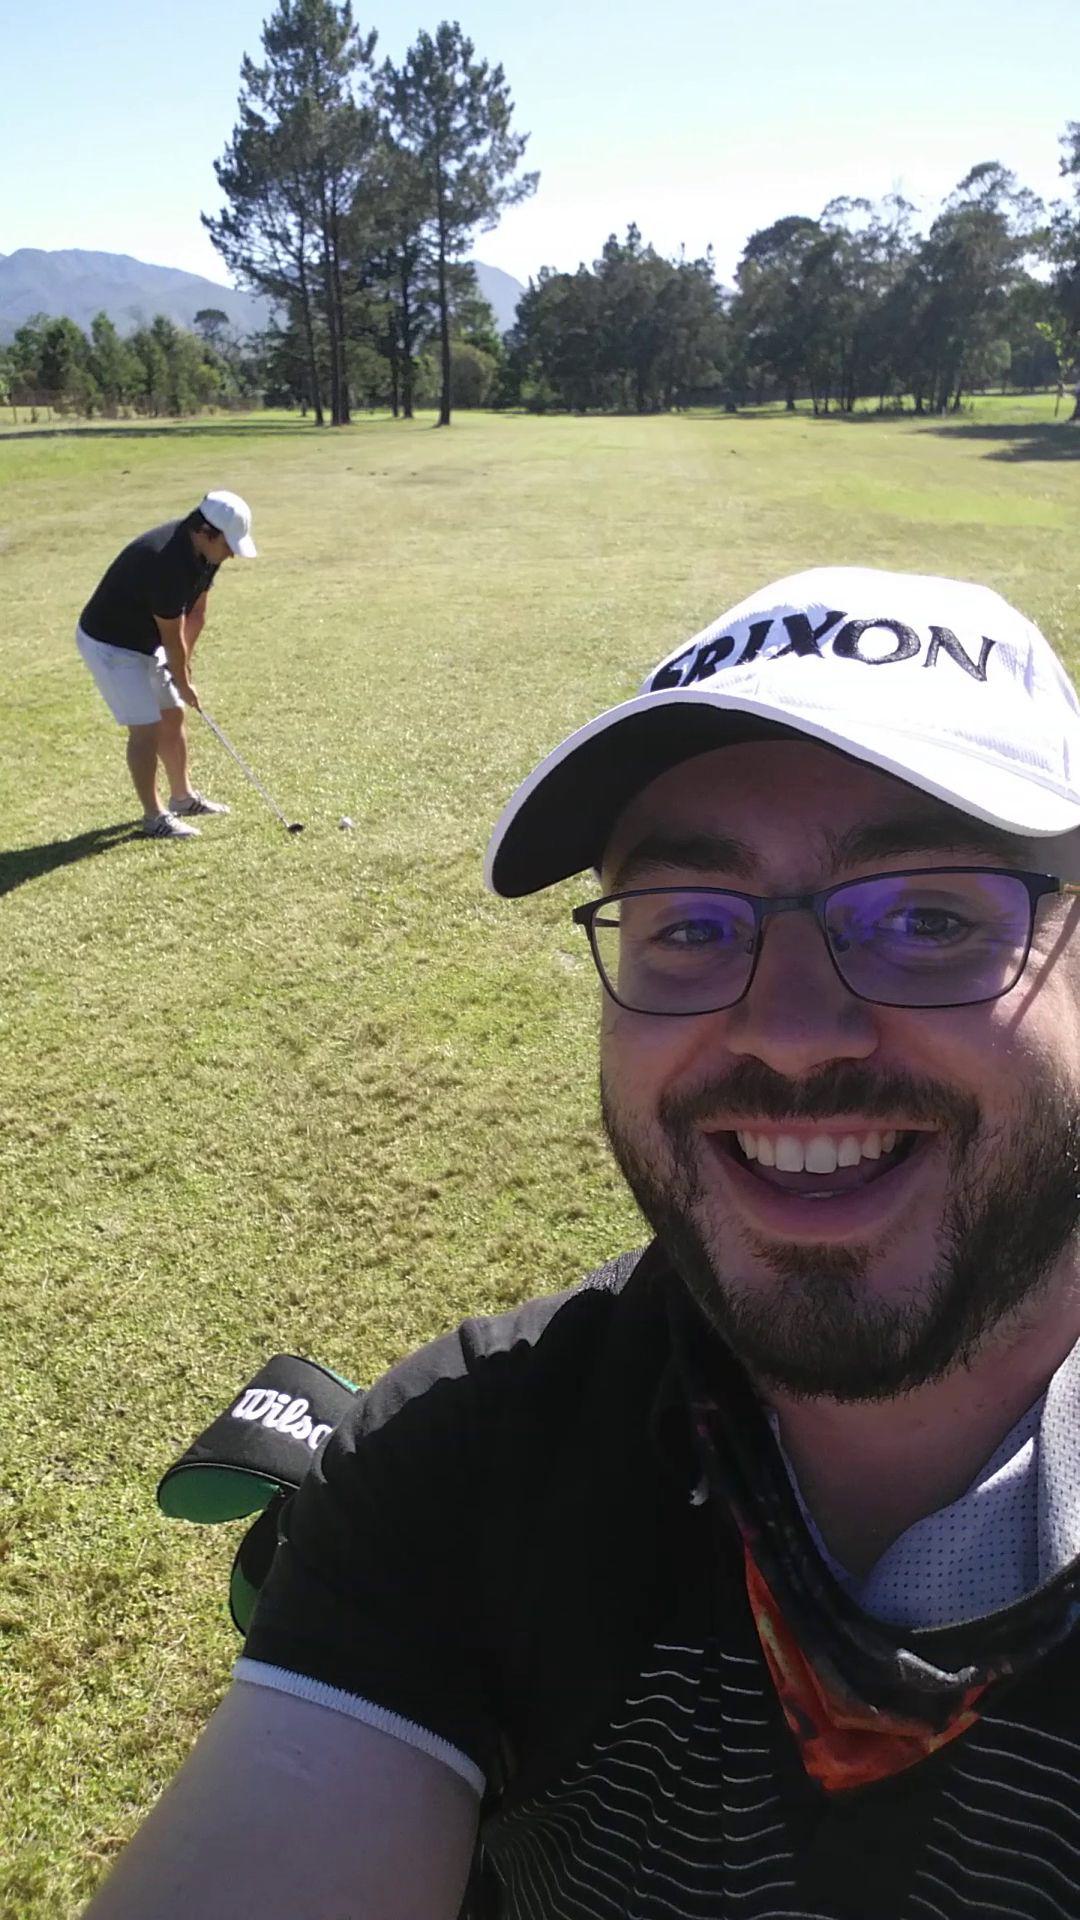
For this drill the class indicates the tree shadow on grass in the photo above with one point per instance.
(18, 864)
(1035, 440)
(195, 430)
(1006, 439)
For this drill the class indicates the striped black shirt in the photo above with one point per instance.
(503, 1556)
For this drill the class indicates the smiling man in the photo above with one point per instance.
(742, 1579)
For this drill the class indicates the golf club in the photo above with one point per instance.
(291, 826)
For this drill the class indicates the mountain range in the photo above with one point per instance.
(71, 281)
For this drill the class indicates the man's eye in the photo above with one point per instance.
(696, 933)
(929, 925)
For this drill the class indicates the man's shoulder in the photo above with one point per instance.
(587, 1304)
(150, 551)
(547, 1344)
(155, 539)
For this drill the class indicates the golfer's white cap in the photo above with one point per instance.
(232, 517)
(939, 682)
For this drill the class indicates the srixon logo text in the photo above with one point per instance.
(281, 1414)
(873, 643)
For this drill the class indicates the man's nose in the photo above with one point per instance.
(797, 1014)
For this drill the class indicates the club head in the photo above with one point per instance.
(296, 826)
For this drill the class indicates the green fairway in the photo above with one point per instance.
(321, 1093)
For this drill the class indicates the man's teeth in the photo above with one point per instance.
(821, 1154)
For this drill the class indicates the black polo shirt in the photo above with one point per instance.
(159, 573)
(509, 1551)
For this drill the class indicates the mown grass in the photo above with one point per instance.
(322, 1093)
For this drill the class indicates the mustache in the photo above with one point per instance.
(753, 1089)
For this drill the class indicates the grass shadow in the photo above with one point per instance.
(1033, 440)
(19, 864)
(197, 429)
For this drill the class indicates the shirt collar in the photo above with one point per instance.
(713, 1431)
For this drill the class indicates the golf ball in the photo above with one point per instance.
(344, 821)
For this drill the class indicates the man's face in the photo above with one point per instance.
(865, 1279)
(212, 545)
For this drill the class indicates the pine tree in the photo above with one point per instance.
(291, 171)
(452, 113)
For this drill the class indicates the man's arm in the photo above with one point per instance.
(194, 621)
(287, 1810)
(174, 640)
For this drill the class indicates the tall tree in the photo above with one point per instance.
(287, 377)
(554, 349)
(473, 316)
(871, 246)
(26, 351)
(111, 363)
(630, 275)
(693, 333)
(392, 263)
(1064, 252)
(951, 306)
(290, 173)
(267, 233)
(315, 56)
(152, 379)
(768, 313)
(887, 246)
(212, 325)
(63, 369)
(453, 114)
(637, 331)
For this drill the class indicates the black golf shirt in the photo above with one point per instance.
(159, 573)
(510, 1547)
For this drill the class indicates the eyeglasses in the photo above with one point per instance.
(930, 937)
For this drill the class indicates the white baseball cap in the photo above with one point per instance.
(232, 517)
(939, 682)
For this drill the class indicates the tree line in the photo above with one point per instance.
(157, 369)
(162, 369)
(352, 192)
(854, 305)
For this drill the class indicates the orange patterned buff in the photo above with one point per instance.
(843, 1742)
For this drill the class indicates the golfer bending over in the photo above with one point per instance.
(137, 633)
(741, 1582)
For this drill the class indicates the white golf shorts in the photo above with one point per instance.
(137, 688)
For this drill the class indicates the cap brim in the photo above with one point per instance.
(561, 818)
(245, 548)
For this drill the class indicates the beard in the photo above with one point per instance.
(1013, 1206)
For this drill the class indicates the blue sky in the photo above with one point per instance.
(698, 118)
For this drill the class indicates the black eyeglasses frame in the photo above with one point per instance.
(1039, 886)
